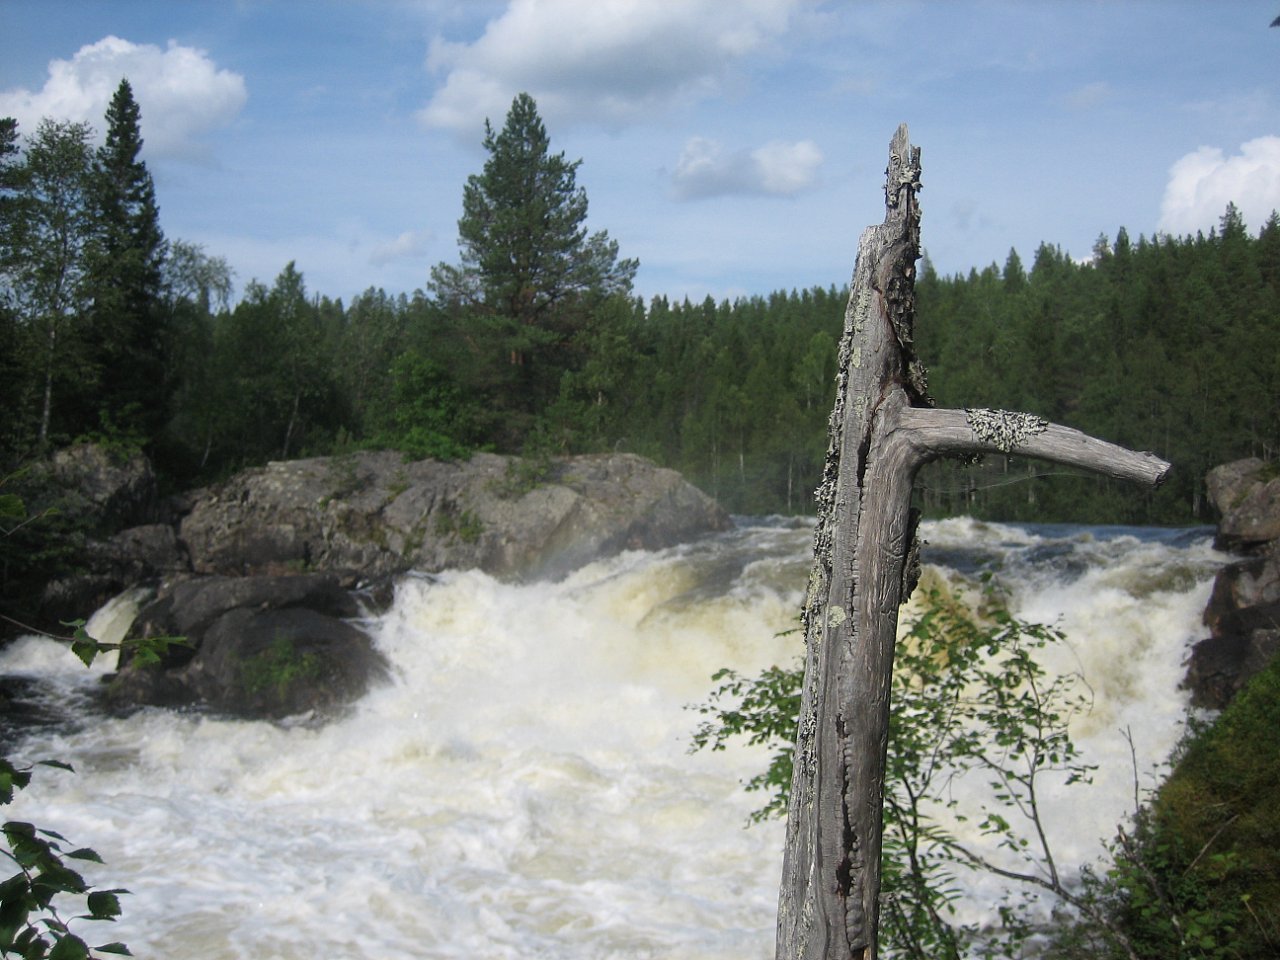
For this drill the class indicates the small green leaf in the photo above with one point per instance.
(85, 651)
(61, 765)
(30, 945)
(69, 947)
(13, 917)
(103, 905)
(84, 853)
(116, 947)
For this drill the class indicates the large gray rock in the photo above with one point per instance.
(372, 514)
(108, 489)
(1247, 495)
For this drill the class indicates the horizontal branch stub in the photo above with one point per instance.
(939, 433)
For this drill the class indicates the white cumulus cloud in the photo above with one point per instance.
(181, 93)
(1203, 182)
(599, 60)
(778, 168)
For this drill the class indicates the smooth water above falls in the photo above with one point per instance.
(523, 786)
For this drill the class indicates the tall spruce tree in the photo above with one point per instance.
(530, 275)
(128, 319)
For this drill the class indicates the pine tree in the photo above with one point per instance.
(128, 320)
(530, 275)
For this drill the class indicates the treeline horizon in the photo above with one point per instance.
(534, 344)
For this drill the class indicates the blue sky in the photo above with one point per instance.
(734, 148)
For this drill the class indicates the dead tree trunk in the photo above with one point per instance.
(882, 429)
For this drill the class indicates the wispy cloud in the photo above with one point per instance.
(1088, 96)
(778, 168)
(1203, 182)
(411, 244)
(182, 92)
(604, 61)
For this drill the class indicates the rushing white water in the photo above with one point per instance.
(523, 787)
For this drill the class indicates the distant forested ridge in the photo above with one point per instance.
(534, 343)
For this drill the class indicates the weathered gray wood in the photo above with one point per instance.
(882, 430)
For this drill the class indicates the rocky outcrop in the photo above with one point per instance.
(84, 494)
(257, 572)
(1243, 613)
(109, 490)
(1247, 495)
(368, 515)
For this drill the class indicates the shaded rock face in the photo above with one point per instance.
(91, 493)
(1243, 613)
(112, 491)
(371, 514)
(259, 647)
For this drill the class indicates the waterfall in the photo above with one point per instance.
(522, 784)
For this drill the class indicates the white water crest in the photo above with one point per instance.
(522, 786)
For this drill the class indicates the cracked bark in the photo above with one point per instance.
(882, 429)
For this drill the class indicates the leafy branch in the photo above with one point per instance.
(970, 695)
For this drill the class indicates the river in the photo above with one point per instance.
(523, 785)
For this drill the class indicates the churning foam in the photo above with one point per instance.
(521, 786)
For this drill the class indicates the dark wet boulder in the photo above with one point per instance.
(261, 647)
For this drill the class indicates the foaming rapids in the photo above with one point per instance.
(522, 785)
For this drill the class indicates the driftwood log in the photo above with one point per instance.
(883, 428)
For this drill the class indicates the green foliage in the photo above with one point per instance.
(127, 323)
(763, 710)
(45, 243)
(277, 668)
(531, 277)
(463, 524)
(535, 467)
(142, 651)
(1197, 875)
(427, 416)
(32, 900)
(40, 539)
(107, 329)
(522, 475)
(970, 697)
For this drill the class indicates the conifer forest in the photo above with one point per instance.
(534, 343)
